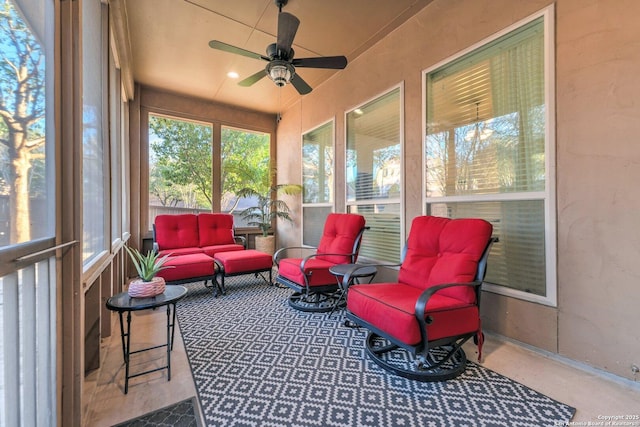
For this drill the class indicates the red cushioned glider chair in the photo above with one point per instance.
(417, 325)
(314, 286)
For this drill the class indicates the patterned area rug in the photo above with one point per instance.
(258, 362)
(181, 414)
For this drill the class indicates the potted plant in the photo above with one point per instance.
(147, 266)
(265, 210)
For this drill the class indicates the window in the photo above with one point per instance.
(94, 167)
(245, 164)
(181, 172)
(374, 173)
(489, 153)
(317, 181)
(27, 214)
(125, 169)
(26, 134)
(180, 167)
(115, 143)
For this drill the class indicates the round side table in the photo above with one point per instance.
(341, 270)
(123, 303)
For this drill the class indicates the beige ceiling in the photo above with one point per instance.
(169, 42)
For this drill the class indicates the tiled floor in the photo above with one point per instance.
(593, 394)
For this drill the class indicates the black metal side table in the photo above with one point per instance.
(123, 303)
(356, 272)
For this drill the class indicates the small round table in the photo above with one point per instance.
(123, 303)
(341, 270)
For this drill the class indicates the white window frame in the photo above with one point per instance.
(401, 200)
(332, 203)
(549, 195)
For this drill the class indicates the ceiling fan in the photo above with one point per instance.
(281, 67)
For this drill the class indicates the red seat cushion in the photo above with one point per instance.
(318, 269)
(177, 231)
(391, 307)
(187, 266)
(180, 251)
(215, 229)
(244, 261)
(213, 250)
(339, 234)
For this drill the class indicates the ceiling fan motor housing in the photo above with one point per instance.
(274, 53)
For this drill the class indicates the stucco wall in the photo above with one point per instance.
(598, 155)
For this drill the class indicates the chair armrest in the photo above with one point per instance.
(280, 253)
(304, 261)
(240, 240)
(421, 304)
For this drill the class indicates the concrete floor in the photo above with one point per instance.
(593, 393)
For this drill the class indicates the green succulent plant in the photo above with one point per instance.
(148, 265)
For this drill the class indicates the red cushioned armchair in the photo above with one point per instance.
(314, 286)
(419, 323)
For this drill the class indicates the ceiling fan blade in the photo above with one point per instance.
(301, 86)
(215, 44)
(252, 78)
(334, 62)
(287, 28)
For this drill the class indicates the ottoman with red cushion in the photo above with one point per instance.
(190, 268)
(242, 262)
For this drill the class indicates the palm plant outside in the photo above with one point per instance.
(267, 209)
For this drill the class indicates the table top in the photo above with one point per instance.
(363, 271)
(124, 302)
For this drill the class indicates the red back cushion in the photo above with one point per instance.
(176, 231)
(339, 235)
(215, 229)
(443, 250)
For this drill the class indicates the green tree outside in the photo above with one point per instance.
(22, 114)
(245, 164)
(180, 163)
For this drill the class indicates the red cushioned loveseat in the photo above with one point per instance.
(193, 240)
(206, 233)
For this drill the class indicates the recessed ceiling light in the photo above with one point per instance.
(233, 74)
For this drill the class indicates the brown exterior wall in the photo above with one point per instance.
(598, 159)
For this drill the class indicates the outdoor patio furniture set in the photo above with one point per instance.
(428, 313)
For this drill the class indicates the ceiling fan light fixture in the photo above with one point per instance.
(280, 72)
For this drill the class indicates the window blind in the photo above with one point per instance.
(486, 130)
(374, 173)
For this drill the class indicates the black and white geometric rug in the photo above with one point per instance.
(258, 362)
(181, 414)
